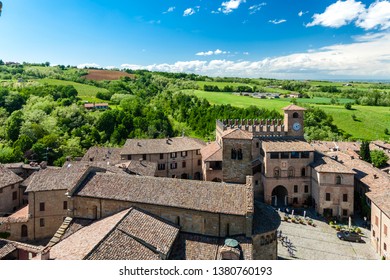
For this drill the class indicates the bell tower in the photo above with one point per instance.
(293, 120)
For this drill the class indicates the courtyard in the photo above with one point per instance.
(321, 243)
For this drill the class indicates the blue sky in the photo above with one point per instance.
(300, 39)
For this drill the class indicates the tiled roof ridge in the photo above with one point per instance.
(108, 233)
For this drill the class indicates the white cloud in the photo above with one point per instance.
(208, 53)
(229, 6)
(368, 57)
(338, 14)
(301, 13)
(170, 10)
(255, 8)
(274, 21)
(376, 15)
(189, 12)
(245, 53)
(88, 65)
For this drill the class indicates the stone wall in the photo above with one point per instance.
(236, 170)
(265, 246)
(10, 199)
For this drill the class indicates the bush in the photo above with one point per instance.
(348, 106)
(378, 158)
(4, 235)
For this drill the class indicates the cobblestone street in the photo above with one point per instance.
(321, 243)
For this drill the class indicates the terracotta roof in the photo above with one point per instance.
(130, 234)
(293, 107)
(107, 154)
(237, 133)
(325, 164)
(6, 248)
(7, 177)
(382, 144)
(327, 146)
(280, 145)
(188, 194)
(142, 168)
(161, 146)
(27, 181)
(199, 247)
(20, 216)
(212, 152)
(57, 179)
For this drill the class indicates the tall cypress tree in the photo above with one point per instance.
(365, 151)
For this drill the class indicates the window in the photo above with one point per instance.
(256, 182)
(198, 152)
(303, 172)
(14, 195)
(173, 165)
(294, 155)
(338, 180)
(376, 221)
(305, 154)
(285, 155)
(199, 162)
(184, 154)
(384, 246)
(295, 188)
(161, 156)
(257, 144)
(161, 166)
(327, 196)
(144, 156)
(291, 172)
(306, 188)
(129, 157)
(42, 206)
(345, 212)
(239, 154)
(345, 197)
(274, 156)
(295, 200)
(233, 154)
(41, 222)
(385, 230)
(173, 155)
(277, 172)
(65, 205)
(183, 164)
(295, 115)
(24, 231)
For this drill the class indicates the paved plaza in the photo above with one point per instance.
(321, 243)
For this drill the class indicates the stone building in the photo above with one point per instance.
(177, 157)
(11, 193)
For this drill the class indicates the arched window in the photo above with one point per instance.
(338, 180)
(303, 172)
(295, 115)
(276, 172)
(24, 231)
(291, 172)
(239, 154)
(234, 154)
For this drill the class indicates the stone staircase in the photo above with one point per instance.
(60, 232)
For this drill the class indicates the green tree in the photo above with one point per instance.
(365, 151)
(379, 158)
(13, 125)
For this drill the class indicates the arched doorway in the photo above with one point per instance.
(184, 176)
(279, 196)
(24, 231)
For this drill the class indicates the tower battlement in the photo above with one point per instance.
(259, 128)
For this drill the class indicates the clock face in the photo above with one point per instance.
(296, 126)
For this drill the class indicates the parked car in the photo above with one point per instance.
(349, 236)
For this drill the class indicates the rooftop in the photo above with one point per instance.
(107, 154)
(161, 146)
(282, 145)
(131, 234)
(293, 107)
(7, 177)
(189, 194)
(212, 152)
(198, 247)
(237, 133)
(325, 164)
(139, 167)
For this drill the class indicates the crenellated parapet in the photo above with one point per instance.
(259, 128)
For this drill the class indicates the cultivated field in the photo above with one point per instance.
(370, 121)
(100, 75)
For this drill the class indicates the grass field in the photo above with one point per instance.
(86, 92)
(370, 121)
